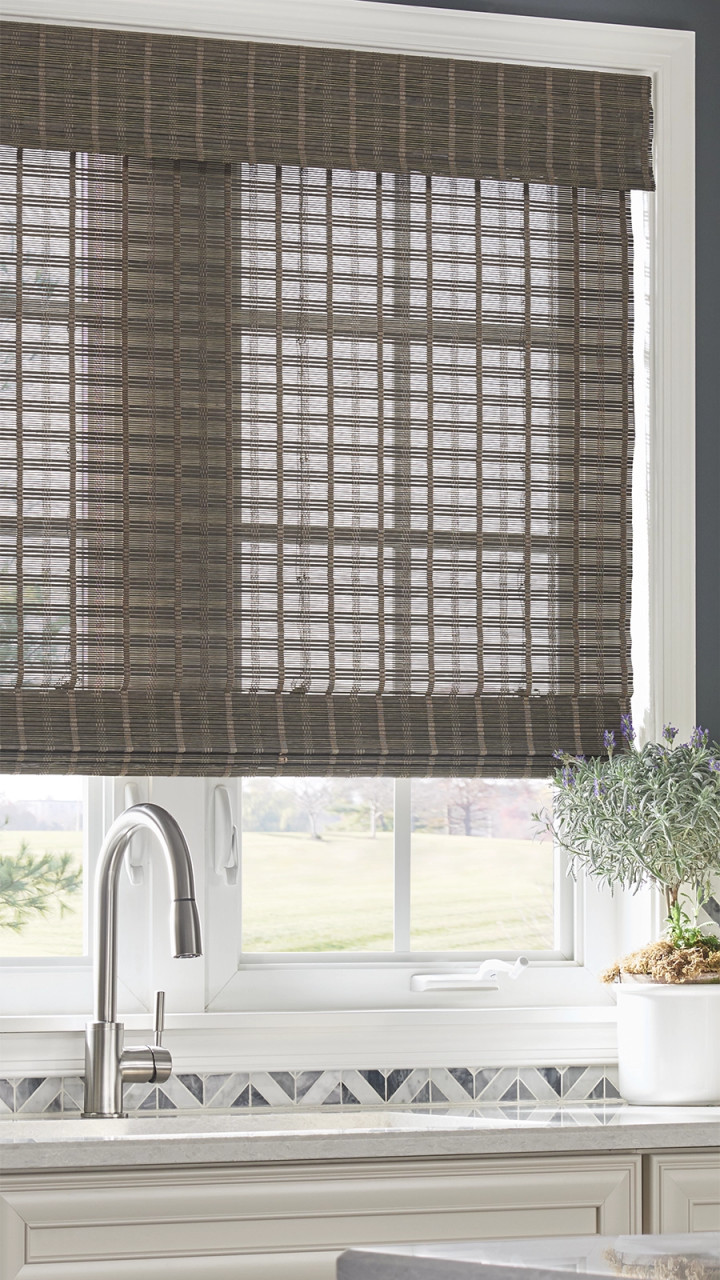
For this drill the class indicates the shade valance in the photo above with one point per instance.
(175, 97)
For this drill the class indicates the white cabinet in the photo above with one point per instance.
(682, 1191)
(290, 1221)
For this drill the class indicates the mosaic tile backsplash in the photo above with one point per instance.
(398, 1086)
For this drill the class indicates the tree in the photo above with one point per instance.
(376, 796)
(465, 804)
(31, 883)
(313, 797)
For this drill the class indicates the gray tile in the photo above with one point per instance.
(7, 1094)
(544, 1083)
(136, 1095)
(41, 1098)
(181, 1097)
(524, 1094)
(243, 1098)
(304, 1082)
(221, 1090)
(366, 1087)
(164, 1102)
(317, 1088)
(193, 1084)
(276, 1087)
(405, 1086)
(73, 1093)
(394, 1079)
(25, 1087)
(612, 1079)
(377, 1081)
(492, 1085)
(581, 1083)
(347, 1097)
(452, 1084)
(149, 1103)
(612, 1093)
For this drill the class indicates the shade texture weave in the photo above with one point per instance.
(310, 461)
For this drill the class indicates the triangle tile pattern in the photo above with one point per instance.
(350, 1087)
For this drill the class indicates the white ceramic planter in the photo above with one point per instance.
(669, 1043)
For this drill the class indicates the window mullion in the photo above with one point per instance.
(402, 826)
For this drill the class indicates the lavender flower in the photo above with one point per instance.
(669, 732)
(699, 737)
(627, 728)
(714, 766)
(609, 740)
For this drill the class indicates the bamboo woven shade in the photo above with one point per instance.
(311, 470)
(177, 97)
(317, 465)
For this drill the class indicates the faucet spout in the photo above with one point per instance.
(187, 929)
(107, 1064)
(187, 942)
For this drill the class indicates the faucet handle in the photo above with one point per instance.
(159, 1017)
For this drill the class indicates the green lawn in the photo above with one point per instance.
(57, 933)
(336, 894)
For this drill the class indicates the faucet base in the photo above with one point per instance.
(103, 1115)
(103, 1081)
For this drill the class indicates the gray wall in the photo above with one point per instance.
(703, 17)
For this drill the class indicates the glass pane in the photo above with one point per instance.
(317, 864)
(480, 878)
(41, 866)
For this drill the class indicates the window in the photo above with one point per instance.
(226, 986)
(324, 866)
(42, 862)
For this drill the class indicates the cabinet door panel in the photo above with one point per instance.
(682, 1191)
(291, 1222)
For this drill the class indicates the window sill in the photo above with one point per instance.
(560, 1036)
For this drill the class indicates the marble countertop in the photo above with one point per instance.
(667, 1257)
(350, 1133)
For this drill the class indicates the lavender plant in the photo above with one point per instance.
(648, 815)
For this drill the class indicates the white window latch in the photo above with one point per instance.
(226, 844)
(135, 853)
(483, 979)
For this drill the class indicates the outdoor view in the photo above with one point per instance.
(41, 866)
(317, 865)
(480, 877)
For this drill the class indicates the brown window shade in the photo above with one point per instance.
(309, 469)
(175, 97)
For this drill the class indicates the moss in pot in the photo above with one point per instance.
(651, 816)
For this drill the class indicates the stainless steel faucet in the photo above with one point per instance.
(107, 1063)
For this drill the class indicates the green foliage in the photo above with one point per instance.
(684, 933)
(31, 883)
(641, 816)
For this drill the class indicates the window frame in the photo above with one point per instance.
(287, 1026)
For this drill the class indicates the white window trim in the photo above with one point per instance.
(578, 1026)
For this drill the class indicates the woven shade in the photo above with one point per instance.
(175, 97)
(309, 470)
